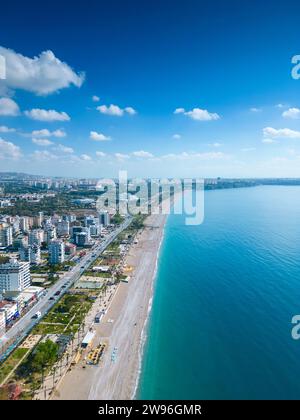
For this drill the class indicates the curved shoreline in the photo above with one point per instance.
(124, 327)
(144, 335)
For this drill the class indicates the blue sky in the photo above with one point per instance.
(224, 66)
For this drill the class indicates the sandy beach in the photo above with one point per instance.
(122, 327)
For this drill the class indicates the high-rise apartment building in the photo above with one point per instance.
(14, 276)
(56, 252)
(6, 235)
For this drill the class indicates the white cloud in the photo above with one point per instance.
(279, 106)
(98, 136)
(142, 154)
(121, 156)
(206, 156)
(8, 107)
(211, 156)
(176, 136)
(47, 115)
(255, 109)
(269, 141)
(216, 144)
(115, 110)
(95, 98)
(293, 113)
(85, 157)
(270, 132)
(198, 114)
(198, 156)
(64, 149)
(100, 154)
(42, 142)
(9, 150)
(130, 110)
(179, 111)
(202, 115)
(44, 155)
(4, 129)
(41, 133)
(111, 110)
(59, 133)
(43, 74)
(47, 133)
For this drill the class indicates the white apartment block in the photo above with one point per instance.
(50, 234)
(31, 253)
(104, 218)
(14, 276)
(56, 252)
(24, 224)
(6, 235)
(36, 237)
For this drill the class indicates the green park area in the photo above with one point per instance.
(66, 316)
(27, 375)
(114, 247)
(11, 362)
(37, 364)
(25, 368)
(50, 273)
(90, 273)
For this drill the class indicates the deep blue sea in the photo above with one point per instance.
(225, 294)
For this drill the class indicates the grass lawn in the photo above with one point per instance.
(29, 372)
(114, 246)
(97, 274)
(9, 364)
(66, 315)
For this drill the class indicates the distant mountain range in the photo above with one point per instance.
(19, 176)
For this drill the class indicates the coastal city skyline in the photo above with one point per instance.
(170, 104)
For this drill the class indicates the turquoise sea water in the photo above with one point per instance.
(225, 293)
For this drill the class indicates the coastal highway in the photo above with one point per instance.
(22, 327)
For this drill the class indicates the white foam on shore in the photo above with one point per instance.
(144, 335)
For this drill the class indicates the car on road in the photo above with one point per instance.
(37, 315)
(57, 293)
